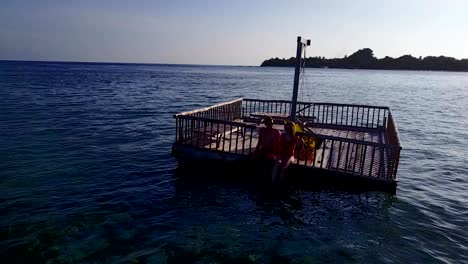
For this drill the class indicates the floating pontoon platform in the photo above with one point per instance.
(357, 145)
(344, 144)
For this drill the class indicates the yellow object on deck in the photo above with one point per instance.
(308, 140)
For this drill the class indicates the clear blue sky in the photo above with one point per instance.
(235, 32)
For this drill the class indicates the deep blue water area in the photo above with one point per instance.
(86, 174)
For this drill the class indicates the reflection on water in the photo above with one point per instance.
(86, 173)
(285, 226)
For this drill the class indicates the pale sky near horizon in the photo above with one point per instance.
(227, 32)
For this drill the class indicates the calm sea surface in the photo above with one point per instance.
(86, 173)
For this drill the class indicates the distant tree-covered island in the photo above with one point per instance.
(364, 59)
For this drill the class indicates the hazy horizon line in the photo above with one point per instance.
(120, 62)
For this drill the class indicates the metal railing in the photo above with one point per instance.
(350, 156)
(227, 111)
(218, 135)
(252, 106)
(358, 116)
(215, 128)
(221, 128)
(393, 139)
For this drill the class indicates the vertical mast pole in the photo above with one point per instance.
(300, 45)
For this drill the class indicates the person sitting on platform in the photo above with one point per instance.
(288, 141)
(267, 151)
(268, 144)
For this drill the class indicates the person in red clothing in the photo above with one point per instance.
(267, 151)
(268, 144)
(288, 141)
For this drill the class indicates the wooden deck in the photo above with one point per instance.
(339, 156)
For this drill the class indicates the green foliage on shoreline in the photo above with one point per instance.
(365, 59)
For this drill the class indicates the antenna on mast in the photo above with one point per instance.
(301, 44)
